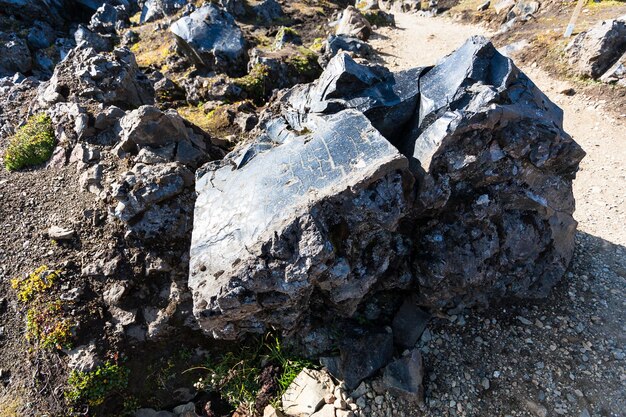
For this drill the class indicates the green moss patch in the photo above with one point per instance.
(93, 388)
(31, 145)
(256, 83)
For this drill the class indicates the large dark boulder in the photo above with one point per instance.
(210, 37)
(493, 214)
(291, 215)
(454, 182)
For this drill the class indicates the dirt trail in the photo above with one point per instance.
(600, 188)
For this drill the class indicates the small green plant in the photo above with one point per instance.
(37, 282)
(305, 63)
(46, 326)
(235, 375)
(32, 144)
(255, 83)
(93, 388)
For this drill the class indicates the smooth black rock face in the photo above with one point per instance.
(388, 100)
(210, 37)
(321, 211)
(293, 214)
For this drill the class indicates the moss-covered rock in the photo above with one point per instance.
(256, 83)
(304, 64)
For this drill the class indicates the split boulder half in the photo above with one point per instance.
(453, 182)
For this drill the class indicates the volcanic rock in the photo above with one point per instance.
(292, 214)
(106, 78)
(320, 211)
(211, 38)
(594, 51)
(352, 23)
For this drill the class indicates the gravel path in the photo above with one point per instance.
(561, 356)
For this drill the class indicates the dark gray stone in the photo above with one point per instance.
(319, 213)
(107, 18)
(144, 186)
(594, 51)
(86, 38)
(483, 6)
(617, 73)
(409, 323)
(388, 100)
(150, 127)
(495, 169)
(319, 210)
(267, 11)
(112, 78)
(403, 377)
(336, 43)
(361, 357)
(15, 55)
(40, 36)
(352, 23)
(234, 7)
(156, 9)
(210, 37)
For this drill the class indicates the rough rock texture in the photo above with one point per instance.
(495, 203)
(106, 78)
(320, 211)
(15, 55)
(336, 43)
(146, 185)
(310, 212)
(388, 100)
(353, 23)
(267, 11)
(403, 377)
(617, 73)
(210, 37)
(162, 137)
(593, 52)
(156, 9)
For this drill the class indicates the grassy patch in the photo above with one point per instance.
(305, 63)
(377, 18)
(255, 83)
(10, 405)
(37, 282)
(46, 326)
(235, 375)
(93, 388)
(31, 145)
(46, 323)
